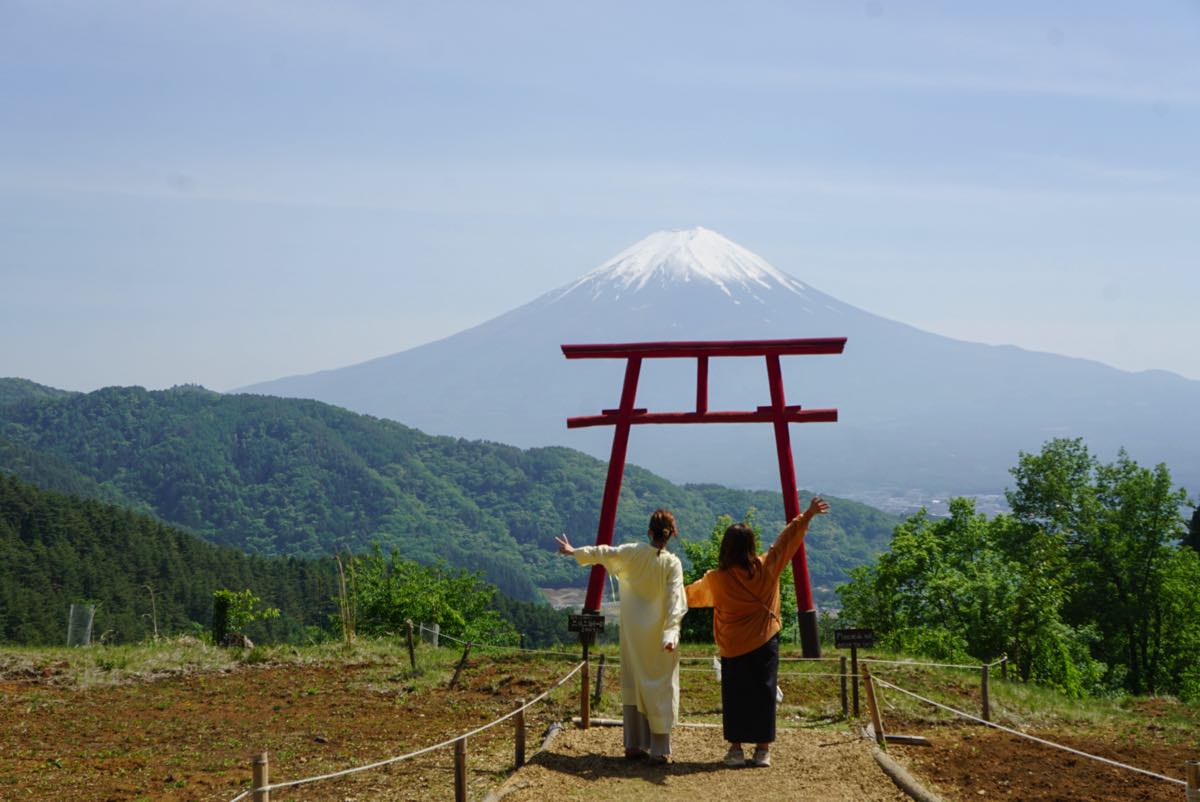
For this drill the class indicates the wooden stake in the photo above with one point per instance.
(1004, 668)
(460, 770)
(873, 707)
(842, 680)
(585, 698)
(259, 773)
(519, 734)
(983, 689)
(462, 662)
(854, 676)
(599, 683)
(412, 654)
(1193, 780)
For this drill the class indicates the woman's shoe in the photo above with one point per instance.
(660, 760)
(636, 754)
(735, 757)
(762, 758)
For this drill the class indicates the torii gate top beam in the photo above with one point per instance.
(706, 348)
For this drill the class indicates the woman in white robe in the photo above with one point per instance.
(652, 606)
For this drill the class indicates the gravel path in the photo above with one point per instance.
(813, 765)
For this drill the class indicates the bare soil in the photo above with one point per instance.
(191, 738)
(966, 762)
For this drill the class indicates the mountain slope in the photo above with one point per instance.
(280, 476)
(918, 411)
(56, 549)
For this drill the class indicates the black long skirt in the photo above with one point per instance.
(748, 685)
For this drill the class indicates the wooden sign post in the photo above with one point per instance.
(853, 638)
(587, 625)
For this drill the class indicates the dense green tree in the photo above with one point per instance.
(1118, 524)
(388, 592)
(146, 577)
(1084, 586)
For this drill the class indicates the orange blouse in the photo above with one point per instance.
(746, 606)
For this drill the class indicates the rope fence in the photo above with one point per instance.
(481, 644)
(1025, 735)
(519, 711)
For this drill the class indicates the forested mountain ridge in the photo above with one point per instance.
(13, 390)
(56, 549)
(285, 476)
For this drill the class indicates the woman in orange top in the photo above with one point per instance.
(744, 593)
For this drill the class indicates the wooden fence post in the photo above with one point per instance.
(873, 707)
(984, 670)
(521, 640)
(462, 662)
(1193, 780)
(519, 734)
(842, 681)
(412, 654)
(585, 698)
(259, 773)
(1004, 668)
(854, 676)
(599, 683)
(460, 770)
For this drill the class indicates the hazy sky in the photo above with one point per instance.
(227, 192)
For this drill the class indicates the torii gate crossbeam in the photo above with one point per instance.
(778, 413)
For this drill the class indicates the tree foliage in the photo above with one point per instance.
(390, 591)
(1084, 585)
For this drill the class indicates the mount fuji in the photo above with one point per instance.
(922, 416)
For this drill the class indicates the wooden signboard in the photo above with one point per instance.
(585, 623)
(847, 638)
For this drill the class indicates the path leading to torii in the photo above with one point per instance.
(823, 765)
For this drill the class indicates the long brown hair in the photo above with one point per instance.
(739, 547)
(662, 528)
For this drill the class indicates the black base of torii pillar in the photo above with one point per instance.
(778, 413)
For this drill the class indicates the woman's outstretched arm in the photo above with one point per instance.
(792, 536)
(611, 557)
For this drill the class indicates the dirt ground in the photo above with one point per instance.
(821, 765)
(191, 737)
(966, 762)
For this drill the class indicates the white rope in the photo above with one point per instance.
(1018, 733)
(397, 759)
(482, 645)
(976, 667)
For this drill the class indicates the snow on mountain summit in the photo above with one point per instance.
(683, 256)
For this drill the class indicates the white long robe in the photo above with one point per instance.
(652, 606)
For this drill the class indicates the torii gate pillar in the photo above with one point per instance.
(778, 413)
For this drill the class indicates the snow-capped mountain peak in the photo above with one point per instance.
(679, 256)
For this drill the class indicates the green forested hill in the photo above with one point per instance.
(56, 549)
(284, 476)
(14, 390)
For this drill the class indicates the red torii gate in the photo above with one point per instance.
(777, 413)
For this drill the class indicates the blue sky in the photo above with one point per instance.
(227, 192)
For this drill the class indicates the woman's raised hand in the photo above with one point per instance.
(564, 545)
(818, 506)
